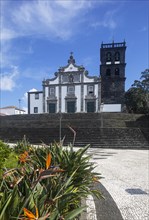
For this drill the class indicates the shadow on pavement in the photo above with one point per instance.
(106, 208)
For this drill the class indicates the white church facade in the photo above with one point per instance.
(72, 90)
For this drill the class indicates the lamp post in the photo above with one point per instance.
(60, 128)
(19, 106)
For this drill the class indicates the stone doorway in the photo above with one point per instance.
(52, 108)
(71, 106)
(90, 106)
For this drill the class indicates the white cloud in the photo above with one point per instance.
(6, 57)
(107, 22)
(8, 34)
(33, 90)
(42, 18)
(8, 80)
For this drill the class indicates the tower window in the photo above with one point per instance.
(108, 57)
(117, 56)
(108, 72)
(117, 71)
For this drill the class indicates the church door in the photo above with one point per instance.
(52, 108)
(71, 106)
(90, 106)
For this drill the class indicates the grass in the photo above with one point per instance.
(10, 162)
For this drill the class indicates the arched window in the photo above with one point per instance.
(117, 71)
(117, 56)
(108, 72)
(108, 57)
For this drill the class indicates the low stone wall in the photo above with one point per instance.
(97, 129)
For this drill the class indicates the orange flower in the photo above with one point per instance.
(23, 157)
(48, 161)
(30, 215)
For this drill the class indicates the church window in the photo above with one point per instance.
(52, 91)
(108, 72)
(76, 78)
(117, 72)
(90, 90)
(117, 56)
(36, 95)
(71, 90)
(35, 109)
(108, 57)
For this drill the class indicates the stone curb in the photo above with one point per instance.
(101, 209)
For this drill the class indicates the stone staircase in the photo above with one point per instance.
(110, 138)
(105, 130)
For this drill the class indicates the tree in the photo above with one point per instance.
(137, 97)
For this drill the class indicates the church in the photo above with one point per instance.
(72, 90)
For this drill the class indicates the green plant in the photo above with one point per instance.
(4, 153)
(22, 145)
(49, 184)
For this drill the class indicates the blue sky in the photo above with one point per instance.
(37, 37)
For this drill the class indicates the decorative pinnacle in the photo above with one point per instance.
(71, 59)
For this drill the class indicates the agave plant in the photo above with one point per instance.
(49, 184)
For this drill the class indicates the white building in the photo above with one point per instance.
(11, 110)
(70, 91)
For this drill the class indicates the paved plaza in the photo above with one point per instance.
(126, 179)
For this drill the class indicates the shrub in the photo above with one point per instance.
(22, 145)
(4, 153)
(49, 184)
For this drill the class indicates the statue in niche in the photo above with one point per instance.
(71, 78)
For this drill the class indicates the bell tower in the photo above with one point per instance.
(112, 72)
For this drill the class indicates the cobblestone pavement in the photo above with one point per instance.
(126, 178)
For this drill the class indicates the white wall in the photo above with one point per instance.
(86, 79)
(11, 111)
(46, 95)
(71, 68)
(56, 81)
(78, 95)
(17, 111)
(57, 95)
(8, 111)
(36, 103)
(110, 108)
(63, 95)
